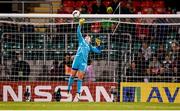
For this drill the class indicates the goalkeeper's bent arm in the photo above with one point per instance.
(96, 49)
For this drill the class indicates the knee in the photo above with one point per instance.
(73, 75)
(80, 77)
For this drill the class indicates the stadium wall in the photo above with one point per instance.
(44, 91)
(150, 92)
(93, 92)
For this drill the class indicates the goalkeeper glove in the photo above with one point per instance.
(81, 21)
(98, 42)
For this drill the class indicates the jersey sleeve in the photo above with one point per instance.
(79, 34)
(95, 49)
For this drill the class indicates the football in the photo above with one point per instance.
(76, 13)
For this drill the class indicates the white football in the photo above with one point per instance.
(76, 13)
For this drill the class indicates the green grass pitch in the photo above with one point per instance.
(86, 106)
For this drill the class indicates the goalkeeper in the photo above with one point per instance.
(80, 60)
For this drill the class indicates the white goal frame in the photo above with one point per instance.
(14, 15)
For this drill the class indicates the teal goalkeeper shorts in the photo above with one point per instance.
(79, 64)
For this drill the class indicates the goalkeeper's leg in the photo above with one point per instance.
(79, 83)
(73, 74)
(81, 72)
(71, 80)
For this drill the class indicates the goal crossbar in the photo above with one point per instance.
(12, 15)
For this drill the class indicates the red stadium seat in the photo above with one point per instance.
(81, 3)
(158, 4)
(68, 10)
(96, 27)
(136, 4)
(90, 6)
(123, 4)
(91, 3)
(107, 3)
(69, 3)
(89, 10)
(147, 4)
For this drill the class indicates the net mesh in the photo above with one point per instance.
(39, 51)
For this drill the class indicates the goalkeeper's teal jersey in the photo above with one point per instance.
(84, 48)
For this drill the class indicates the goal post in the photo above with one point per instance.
(138, 51)
(14, 15)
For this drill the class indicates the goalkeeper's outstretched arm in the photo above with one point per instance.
(79, 34)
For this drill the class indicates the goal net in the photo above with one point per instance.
(37, 52)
